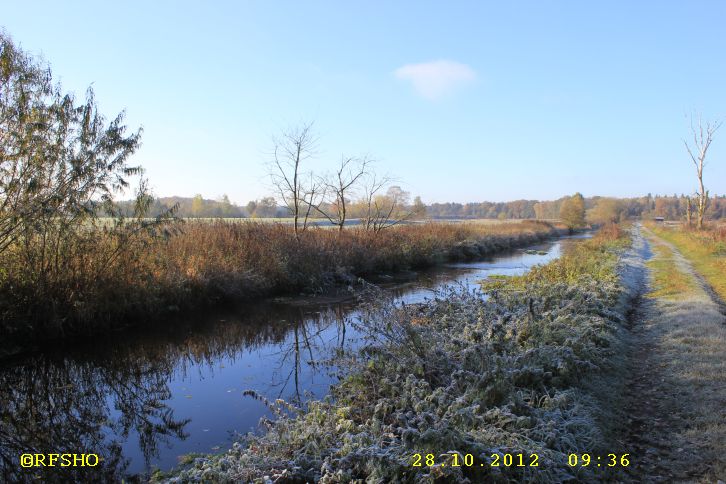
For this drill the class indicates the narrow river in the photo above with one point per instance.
(142, 398)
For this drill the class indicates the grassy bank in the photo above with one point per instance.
(680, 379)
(101, 279)
(534, 369)
(666, 280)
(705, 249)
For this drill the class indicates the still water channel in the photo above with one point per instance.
(142, 398)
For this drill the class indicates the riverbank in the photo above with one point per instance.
(532, 371)
(103, 285)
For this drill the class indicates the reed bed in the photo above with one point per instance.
(102, 279)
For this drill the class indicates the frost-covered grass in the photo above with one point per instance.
(533, 368)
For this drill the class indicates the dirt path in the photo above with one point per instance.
(677, 389)
(687, 268)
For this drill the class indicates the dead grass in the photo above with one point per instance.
(99, 282)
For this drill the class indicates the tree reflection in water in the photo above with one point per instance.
(312, 343)
(91, 397)
(61, 405)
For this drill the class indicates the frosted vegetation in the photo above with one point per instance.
(528, 365)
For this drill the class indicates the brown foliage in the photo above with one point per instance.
(217, 261)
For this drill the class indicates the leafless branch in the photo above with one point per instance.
(702, 138)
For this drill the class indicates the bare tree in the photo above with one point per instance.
(296, 189)
(313, 194)
(702, 138)
(341, 186)
(383, 210)
(373, 185)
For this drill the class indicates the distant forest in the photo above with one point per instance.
(670, 207)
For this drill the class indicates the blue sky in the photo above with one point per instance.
(462, 101)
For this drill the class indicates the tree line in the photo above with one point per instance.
(670, 207)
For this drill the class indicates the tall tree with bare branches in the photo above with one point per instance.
(298, 190)
(341, 186)
(702, 138)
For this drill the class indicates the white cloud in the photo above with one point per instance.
(435, 79)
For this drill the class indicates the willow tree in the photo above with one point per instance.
(697, 150)
(572, 211)
(62, 163)
(606, 210)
